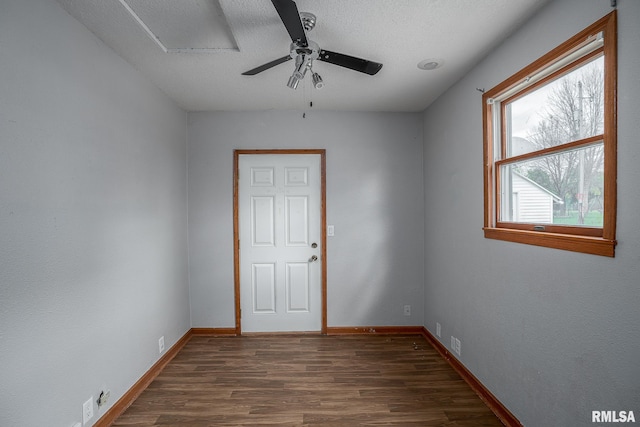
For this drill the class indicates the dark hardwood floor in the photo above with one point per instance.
(308, 380)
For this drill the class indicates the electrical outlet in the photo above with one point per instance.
(161, 344)
(407, 310)
(87, 410)
(458, 345)
(438, 329)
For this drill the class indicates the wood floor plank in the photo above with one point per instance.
(308, 380)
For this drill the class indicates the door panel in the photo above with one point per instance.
(262, 221)
(297, 281)
(297, 221)
(279, 204)
(262, 177)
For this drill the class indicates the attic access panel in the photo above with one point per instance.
(185, 26)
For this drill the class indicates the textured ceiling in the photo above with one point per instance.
(196, 50)
(184, 26)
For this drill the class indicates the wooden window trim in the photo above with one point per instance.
(555, 75)
(590, 240)
(581, 143)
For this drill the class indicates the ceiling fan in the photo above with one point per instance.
(305, 51)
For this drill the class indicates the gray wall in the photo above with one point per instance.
(374, 199)
(553, 334)
(93, 227)
(93, 266)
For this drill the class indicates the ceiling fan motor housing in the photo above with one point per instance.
(308, 20)
(312, 50)
(305, 51)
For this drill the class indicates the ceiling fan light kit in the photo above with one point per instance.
(317, 81)
(305, 51)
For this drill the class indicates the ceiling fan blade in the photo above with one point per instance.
(357, 64)
(290, 16)
(267, 66)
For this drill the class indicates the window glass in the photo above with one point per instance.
(566, 109)
(565, 188)
(550, 151)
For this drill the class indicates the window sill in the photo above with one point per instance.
(567, 242)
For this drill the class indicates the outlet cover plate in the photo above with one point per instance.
(87, 410)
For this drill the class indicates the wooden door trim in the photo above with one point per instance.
(323, 228)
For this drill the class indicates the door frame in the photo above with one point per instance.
(323, 228)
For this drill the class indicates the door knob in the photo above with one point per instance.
(313, 258)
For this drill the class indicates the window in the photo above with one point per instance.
(550, 147)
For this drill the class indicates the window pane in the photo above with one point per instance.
(567, 109)
(564, 188)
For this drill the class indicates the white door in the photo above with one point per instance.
(279, 205)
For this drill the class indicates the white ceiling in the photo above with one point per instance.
(201, 47)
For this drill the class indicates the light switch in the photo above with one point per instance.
(330, 230)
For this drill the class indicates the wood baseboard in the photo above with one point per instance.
(130, 396)
(507, 418)
(417, 330)
(487, 397)
(213, 332)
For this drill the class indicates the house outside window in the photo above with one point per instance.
(550, 147)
